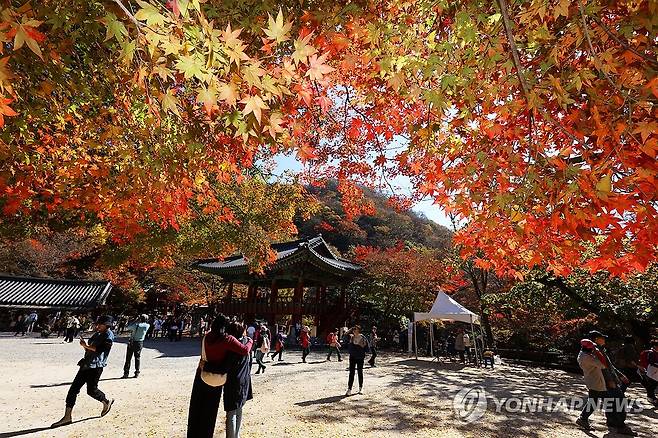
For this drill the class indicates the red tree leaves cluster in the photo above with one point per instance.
(534, 123)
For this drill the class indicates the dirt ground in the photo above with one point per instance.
(402, 397)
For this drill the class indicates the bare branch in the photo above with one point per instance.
(597, 62)
(130, 16)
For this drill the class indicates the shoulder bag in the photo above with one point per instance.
(211, 379)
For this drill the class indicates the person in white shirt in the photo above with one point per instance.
(467, 346)
(31, 321)
(157, 326)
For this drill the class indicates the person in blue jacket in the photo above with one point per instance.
(91, 366)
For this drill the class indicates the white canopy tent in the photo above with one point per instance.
(446, 309)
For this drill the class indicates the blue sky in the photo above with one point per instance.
(290, 163)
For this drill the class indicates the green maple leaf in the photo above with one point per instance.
(276, 29)
(128, 51)
(150, 14)
(171, 46)
(191, 66)
(115, 28)
(170, 102)
(252, 74)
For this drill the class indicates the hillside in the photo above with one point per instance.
(386, 228)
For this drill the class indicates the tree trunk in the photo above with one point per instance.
(480, 290)
(484, 320)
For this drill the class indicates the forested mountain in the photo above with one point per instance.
(386, 228)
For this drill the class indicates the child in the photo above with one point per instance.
(488, 357)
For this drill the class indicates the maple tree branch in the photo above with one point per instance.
(624, 44)
(507, 24)
(130, 16)
(597, 62)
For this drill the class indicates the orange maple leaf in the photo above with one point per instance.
(5, 110)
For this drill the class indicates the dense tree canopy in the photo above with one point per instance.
(534, 122)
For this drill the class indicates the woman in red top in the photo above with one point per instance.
(305, 342)
(204, 402)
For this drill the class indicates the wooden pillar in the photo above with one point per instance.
(324, 316)
(249, 314)
(229, 293)
(318, 309)
(297, 301)
(274, 298)
(343, 298)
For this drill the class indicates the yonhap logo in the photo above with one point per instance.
(470, 404)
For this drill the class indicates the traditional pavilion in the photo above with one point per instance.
(308, 267)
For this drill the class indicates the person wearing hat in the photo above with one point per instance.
(603, 383)
(97, 349)
(138, 331)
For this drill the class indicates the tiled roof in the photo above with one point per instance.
(315, 251)
(51, 293)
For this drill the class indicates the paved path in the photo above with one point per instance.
(403, 397)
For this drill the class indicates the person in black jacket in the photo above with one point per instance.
(357, 347)
(237, 389)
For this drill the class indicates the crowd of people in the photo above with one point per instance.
(171, 327)
(230, 348)
(70, 324)
(59, 324)
(228, 352)
(608, 375)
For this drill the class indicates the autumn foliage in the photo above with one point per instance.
(534, 123)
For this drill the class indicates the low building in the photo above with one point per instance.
(23, 294)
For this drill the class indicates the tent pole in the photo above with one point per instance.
(415, 338)
(475, 344)
(432, 338)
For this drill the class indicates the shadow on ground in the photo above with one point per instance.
(52, 385)
(400, 407)
(39, 429)
(187, 347)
